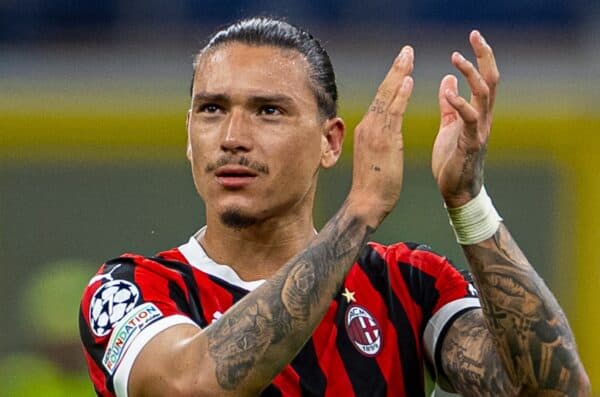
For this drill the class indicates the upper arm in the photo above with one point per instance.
(470, 360)
(171, 363)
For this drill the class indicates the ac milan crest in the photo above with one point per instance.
(363, 330)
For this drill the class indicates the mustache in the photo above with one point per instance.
(243, 161)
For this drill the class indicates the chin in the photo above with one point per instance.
(236, 219)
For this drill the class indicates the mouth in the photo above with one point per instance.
(235, 177)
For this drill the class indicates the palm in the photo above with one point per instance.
(459, 148)
(444, 153)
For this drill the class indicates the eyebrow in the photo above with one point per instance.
(275, 98)
(206, 97)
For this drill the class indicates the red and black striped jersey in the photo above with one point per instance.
(382, 325)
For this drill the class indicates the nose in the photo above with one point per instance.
(237, 137)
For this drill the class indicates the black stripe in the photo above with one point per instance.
(421, 287)
(190, 304)
(271, 391)
(95, 351)
(236, 292)
(376, 269)
(122, 269)
(306, 364)
(363, 371)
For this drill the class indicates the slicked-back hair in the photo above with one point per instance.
(263, 31)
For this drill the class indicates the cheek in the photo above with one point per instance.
(301, 159)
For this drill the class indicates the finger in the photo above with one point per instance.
(398, 106)
(402, 66)
(479, 87)
(447, 113)
(464, 109)
(486, 63)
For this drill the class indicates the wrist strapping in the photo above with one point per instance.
(474, 221)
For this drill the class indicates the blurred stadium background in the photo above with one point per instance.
(93, 97)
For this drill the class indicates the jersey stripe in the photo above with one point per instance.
(401, 288)
(271, 391)
(289, 381)
(388, 358)
(93, 354)
(185, 295)
(410, 361)
(214, 298)
(336, 381)
(365, 371)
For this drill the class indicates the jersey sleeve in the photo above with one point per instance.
(443, 294)
(129, 301)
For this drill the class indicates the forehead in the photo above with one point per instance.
(237, 68)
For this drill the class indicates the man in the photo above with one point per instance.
(258, 303)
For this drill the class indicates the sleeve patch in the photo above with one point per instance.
(110, 303)
(126, 331)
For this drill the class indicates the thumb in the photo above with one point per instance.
(447, 113)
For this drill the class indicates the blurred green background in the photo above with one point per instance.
(93, 98)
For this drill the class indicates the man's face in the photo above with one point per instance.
(255, 137)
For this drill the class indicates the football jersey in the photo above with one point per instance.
(387, 319)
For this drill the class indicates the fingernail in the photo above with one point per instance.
(482, 39)
(460, 56)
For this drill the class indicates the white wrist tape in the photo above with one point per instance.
(475, 221)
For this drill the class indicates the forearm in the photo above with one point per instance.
(527, 324)
(257, 337)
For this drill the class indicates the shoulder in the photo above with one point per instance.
(413, 254)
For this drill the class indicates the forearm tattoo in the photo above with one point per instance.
(522, 345)
(263, 331)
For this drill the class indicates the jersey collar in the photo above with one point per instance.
(197, 257)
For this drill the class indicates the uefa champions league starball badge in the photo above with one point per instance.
(111, 302)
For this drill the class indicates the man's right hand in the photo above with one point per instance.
(378, 144)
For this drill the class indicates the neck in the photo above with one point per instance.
(258, 251)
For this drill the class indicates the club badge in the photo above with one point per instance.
(362, 329)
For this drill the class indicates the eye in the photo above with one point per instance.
(270, 110)
(209, 108)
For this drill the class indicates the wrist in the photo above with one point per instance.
(474, 221)
(365, 211)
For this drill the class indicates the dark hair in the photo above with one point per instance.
(277, 33)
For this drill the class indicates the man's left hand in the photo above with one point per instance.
(460, 146)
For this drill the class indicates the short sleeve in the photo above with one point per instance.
(129, 301)
(442, 292)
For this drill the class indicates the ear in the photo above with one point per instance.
(188, 151)
(332, 141)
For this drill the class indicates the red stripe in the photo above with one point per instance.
(449, 283)
(324, 337)
(388, 357)
(413, 311)
(174, 255)
(213, 297)
(153, 281)
(97, 375)
(288, 382)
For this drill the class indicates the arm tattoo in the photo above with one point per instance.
(522, 343)
(263, 331)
